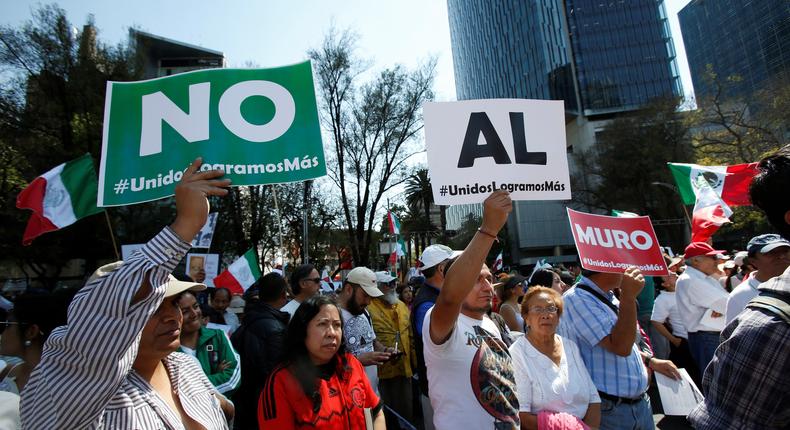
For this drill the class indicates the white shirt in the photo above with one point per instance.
(470, 377)
(232, 320)
(666, 308)
(698, 295)
(740, 297)
(545, 386)
(291, 307)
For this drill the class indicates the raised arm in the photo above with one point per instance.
(85, 361)
(623, 335)
(463, 274)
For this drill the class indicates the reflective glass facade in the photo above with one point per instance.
(623, 53)
(750, 39)
(620, 52)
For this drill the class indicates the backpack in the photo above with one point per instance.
(773, 304)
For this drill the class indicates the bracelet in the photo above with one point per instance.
(492, 236)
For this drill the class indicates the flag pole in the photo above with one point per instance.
(112, 235)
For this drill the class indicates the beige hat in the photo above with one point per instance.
(366, 279)
(174, 286)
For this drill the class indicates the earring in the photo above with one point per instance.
(28, 343)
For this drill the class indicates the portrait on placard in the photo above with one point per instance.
(202, 268)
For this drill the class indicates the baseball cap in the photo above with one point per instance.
(435, 254)
(174, 286)
(739, 256)
(366, 279)
(237, 305)
(695, 249)
(765, 243)
(384, 277)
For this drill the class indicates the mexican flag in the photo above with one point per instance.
(710, 213)
(394, 223)
(731, 183)
(400, 251)
(59, 197)
(498, 263)
(241, 274)
(623, 214)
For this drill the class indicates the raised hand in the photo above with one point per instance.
(633, 282)
(191, 203)
(495, 211)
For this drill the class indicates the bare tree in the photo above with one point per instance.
(373, 129)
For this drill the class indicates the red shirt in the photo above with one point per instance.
(283, 404)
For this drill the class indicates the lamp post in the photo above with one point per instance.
(675, 190)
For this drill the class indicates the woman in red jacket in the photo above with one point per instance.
(319, 385)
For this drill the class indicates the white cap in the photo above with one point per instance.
(366, 279)
(174, 286)
(384, 277)
(739, 256)
(435, 254)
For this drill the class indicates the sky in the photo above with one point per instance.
(279, 32)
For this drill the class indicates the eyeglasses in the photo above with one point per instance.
(316, 280)
(542, 310)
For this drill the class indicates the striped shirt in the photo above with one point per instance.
(586, 321)
(85, 378)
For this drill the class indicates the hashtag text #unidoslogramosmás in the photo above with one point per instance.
(140, 183)
(467, 189)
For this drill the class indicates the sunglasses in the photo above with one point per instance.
(316, 280)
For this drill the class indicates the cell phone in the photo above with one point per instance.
(395, 355)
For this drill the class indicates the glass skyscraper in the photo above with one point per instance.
(748, 39)
(602, 57)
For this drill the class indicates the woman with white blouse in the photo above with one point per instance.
(552, 383)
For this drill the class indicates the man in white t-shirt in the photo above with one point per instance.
(470, 372)
(770, 255)
(360, 339)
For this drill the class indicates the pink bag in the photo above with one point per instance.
(559, 421)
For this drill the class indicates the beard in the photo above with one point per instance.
(476, 309)
(391, 297)
(354, 308)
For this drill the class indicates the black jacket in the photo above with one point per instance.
(426, 293)
(259, 341)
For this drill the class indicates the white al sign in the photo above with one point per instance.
(478, 146)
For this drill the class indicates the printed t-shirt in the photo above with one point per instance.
(358, 335)
(471, 378)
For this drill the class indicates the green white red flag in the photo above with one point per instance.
(59, 197)
(731, 183)
(710, 213)
(394, 223)
(240, 275)
(498, 263)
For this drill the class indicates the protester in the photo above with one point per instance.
(644, 309)
(319, 385)
(260, 341)
(305, 283)
(745, 385)
(391, 324)
(406, 295)
(667, 323)
(114, 365)
(432, 263)
(511, 290)
(702, 301)
(606, 332)
(547, 278)
(770, 255)
(220, 301)
(211, 347)
(236, 307)
(550, 374)
(358, 289)
(469, 367)
(26, 328)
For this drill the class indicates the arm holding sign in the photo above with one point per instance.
(74, 382)
(623, 335)
(464, 274)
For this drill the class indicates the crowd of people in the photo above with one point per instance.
(455, 347)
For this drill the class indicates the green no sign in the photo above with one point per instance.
(258, 125)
